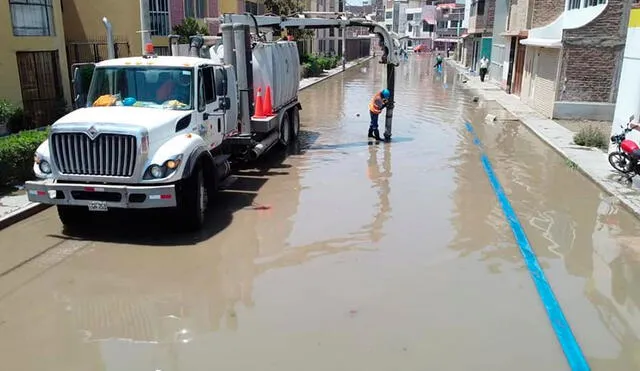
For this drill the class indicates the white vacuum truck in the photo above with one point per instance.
(162, 132)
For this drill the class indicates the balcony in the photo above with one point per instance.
(448, 33)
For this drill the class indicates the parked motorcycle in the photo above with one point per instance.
(625, 158)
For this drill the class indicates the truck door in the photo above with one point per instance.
(210, 116)
(226, 94)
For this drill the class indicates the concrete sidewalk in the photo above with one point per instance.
(16, 206)
(592, 162)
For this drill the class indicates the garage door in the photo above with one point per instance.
(545, 80)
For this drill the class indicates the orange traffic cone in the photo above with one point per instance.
(259, 108)
(268, 107)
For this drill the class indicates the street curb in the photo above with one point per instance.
(34, 208)
(323, 78)
(611, 187)
(22, 214)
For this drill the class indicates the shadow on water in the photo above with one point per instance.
(159, 227)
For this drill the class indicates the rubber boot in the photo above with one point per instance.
(376, 134)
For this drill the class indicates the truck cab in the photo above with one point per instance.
(143, 127)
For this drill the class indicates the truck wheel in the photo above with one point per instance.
(193, 203)
(285, 130)
(295, 123)
(73, 215)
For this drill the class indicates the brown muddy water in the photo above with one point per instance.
(386, 257)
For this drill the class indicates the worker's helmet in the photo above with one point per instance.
(386, 93)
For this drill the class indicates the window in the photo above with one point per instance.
(208, 84)
(151, 87)
(577, 4)
(251, 7)
(426, 27)
(388, 15)
(32, 17)
(159, 17)
(442, 24)
(477, 7)
(574, 4)
(595, 2)
(195, 8)
(410, 17)
(410, 28)
(454, 24)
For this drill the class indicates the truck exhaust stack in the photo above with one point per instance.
(111, 52)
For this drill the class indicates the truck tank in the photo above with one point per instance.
(275, 64)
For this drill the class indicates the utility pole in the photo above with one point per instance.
(145, 24)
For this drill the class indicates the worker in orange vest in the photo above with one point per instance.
(377, 104)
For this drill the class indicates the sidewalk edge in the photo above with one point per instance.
(615, 189)
(22, 214)
(323, 78)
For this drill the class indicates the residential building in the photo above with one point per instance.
(449, 16)
(518, 21)
(574, 56)
(499, 43)
(33, 63)
(478, 38)
(419, 31)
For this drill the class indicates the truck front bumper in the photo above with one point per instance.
(102, 196)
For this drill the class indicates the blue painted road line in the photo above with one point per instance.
(568, 342)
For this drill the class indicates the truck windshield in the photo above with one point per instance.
(154, 87)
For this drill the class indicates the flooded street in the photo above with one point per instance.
(342, 256)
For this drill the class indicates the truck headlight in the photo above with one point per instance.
(156, 171)
(45, 167)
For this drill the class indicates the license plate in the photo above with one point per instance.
(98, 206)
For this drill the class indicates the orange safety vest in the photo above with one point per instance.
(376, 104)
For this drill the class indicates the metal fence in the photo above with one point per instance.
(94, 50)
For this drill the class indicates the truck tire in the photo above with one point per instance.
(295, 123)
(193, 201)
(285, 131)
(73, 215)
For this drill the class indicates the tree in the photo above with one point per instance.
(189, 27)
(286, 8)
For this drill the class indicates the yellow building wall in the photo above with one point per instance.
(9, 79)
(83, 22)
(228, 6)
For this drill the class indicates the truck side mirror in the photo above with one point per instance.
(82, 74)
(633, 117)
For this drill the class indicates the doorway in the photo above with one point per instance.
(519, 68)
(41, 85)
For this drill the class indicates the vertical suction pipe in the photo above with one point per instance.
(111, 52)
(391, 85)
(228, 44)
(244, 71)
(145, 24)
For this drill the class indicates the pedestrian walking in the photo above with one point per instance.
(484, 67)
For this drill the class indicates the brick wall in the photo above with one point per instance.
(177, 11)
(545, 12)
(592, 56)
(490, 13)
(213, 12)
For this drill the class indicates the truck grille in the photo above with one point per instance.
(108, 154)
